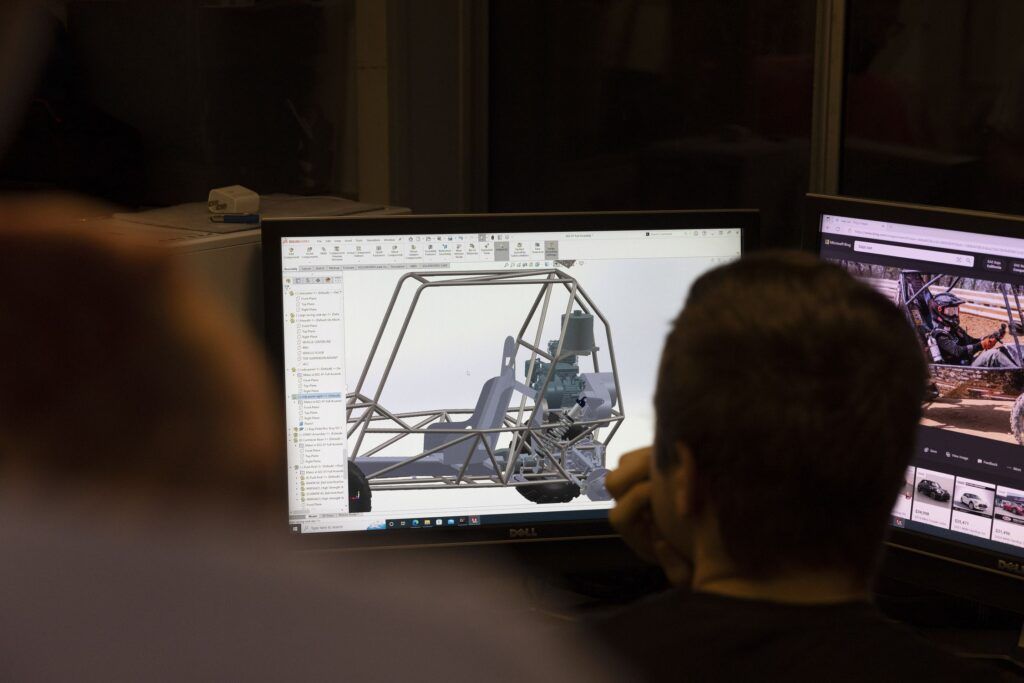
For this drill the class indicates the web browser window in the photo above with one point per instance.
(463, 379)
(962, 293)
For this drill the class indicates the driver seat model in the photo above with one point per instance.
(489, 413)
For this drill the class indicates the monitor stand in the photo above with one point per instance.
(577, 578)
(565, 579)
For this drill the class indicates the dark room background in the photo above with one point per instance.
(529, 105)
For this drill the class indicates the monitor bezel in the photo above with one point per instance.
(273, 230)
(909, 548)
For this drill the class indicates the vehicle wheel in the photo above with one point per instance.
(358, 489)
(555, 492)
(1017, 419)
(543, 494)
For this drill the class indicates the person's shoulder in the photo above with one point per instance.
(211, 600)
(679, 633)
(675, 621)
(667, 605)
(888, 646)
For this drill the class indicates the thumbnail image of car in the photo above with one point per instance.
(933, 490)
(1013, 507)
(973, 501)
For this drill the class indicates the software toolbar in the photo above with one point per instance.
(521, 250)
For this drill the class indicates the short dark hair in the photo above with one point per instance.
(798, 390)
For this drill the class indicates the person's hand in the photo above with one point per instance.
(632, 517)
(988, 342)
(630, 486)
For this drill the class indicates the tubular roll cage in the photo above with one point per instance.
(363, 411)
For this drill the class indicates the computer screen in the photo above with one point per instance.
(962, 289)
(464, 372)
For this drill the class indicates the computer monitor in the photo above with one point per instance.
(958, 276)
(450, 379)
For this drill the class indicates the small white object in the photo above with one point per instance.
(233, 199)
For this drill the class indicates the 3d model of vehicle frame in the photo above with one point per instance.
(540, 435)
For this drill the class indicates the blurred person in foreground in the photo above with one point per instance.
(138, 450)
(767, 493)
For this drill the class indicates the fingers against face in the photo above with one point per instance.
(631, 518)
(634, 467)
(633, 504)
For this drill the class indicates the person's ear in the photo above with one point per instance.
(683, 480)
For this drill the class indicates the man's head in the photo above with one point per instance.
(946, 309)
(786, 408)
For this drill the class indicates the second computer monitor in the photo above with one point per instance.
(958, 277)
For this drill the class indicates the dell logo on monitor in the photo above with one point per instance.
(1007, 566)
(525, 532)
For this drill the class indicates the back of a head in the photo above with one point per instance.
(798, 390)
(119, 371)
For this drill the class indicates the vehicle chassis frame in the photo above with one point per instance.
(363, 411)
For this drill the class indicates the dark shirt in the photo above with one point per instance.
(684, 636)
(89, 594)
(957, 347)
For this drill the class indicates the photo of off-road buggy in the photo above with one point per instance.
(964, 367)
(536, 424)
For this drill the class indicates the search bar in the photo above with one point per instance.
(962, 260)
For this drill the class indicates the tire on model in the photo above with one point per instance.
(549, 492)
(553, 492)
(359, 496)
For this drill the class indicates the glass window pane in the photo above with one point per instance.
(150, 104)
(633, 104)
(935, 103)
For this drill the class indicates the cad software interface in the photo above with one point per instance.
(962, 292)
(474, 378)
